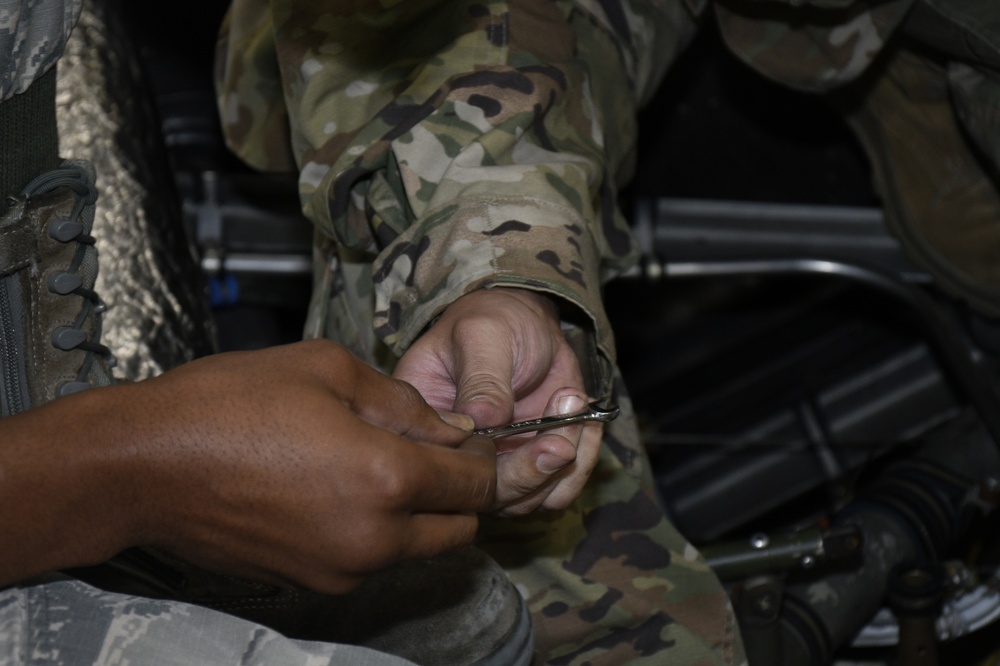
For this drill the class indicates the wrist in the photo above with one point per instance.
(65, 487)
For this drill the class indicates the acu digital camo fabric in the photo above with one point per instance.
(32, 36)
(67, 623)
(448, 146)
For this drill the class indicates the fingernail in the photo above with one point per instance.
(548, 463)
(569, 404)
(460, 421)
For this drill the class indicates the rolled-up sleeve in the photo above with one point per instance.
(462, 145)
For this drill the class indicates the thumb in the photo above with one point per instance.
(483, 385)
(525, 474)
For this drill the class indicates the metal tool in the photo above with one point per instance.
(595, 411)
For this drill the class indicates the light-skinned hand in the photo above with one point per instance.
(499, 355)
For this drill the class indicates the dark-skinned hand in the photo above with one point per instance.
(297, 465)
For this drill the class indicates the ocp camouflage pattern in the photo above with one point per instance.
(938, 184)
(448, 146)
(610, 581)
(454, 145)
(814, 45)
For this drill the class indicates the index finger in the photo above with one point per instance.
(456, 480)
(398, 407)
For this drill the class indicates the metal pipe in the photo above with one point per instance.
(959, 361)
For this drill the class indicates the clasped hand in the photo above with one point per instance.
(499, 355)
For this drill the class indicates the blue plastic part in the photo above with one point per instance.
(223, 290)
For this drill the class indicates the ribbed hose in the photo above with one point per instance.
(912, 513)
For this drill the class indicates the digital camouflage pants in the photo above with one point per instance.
(63, 622)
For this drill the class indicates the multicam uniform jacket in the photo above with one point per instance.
(451, 145)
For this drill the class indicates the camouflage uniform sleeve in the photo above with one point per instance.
(32, 37)
(461, 144)
(810, 45)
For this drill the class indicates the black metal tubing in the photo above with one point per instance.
(712, 230)
(941, 331)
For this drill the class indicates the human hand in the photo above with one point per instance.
(297, 465)
(499, 355)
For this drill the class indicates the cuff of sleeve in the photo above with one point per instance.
(490, 242)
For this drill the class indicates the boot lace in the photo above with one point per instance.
(79, 278)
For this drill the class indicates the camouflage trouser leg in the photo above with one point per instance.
(65, 622)
(610, 581)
